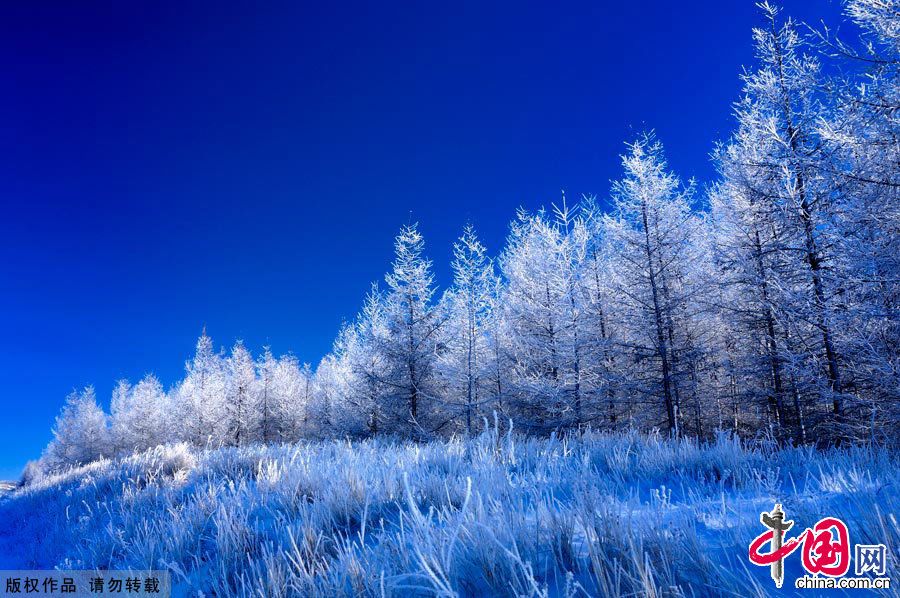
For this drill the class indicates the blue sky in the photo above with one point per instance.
(165, 167)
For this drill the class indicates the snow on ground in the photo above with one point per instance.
(608, 515)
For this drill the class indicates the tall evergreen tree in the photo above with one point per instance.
(240, 395)
(81, 432)
(465, 355)
(140, 416)
(657, 239)
(410, 345)
(201, 397)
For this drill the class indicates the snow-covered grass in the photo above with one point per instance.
(498, 515)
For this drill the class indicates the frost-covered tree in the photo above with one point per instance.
(201, 397)
(465, 359)
(776, 216)
(597, 295)
(498, 371)
(410, 344)
(240, 395)
(860, 139)
(139, 416)
(291, 388)
(534, 325)
(331, 389)
(267, 408)
(658, 253)
(753, 251)
(81, 432)
(547, 329)
(364, 349)
(783, 90)
(120, 436)
(303, 408)
(571, 259)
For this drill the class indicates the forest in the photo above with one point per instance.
(764, 304)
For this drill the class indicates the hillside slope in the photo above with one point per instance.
(598, 515)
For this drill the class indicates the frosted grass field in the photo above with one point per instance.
(623, 515)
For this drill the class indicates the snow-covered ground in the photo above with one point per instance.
(620, 515)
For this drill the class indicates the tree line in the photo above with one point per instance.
(764, 303)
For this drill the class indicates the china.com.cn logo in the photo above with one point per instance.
(825, 551)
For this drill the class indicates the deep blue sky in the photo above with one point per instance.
(165, 166)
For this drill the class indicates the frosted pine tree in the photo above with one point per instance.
(289, 390)
(331, 389)
(201, 397)
(586, 373)
(465, 357)
(364, 346)
(240, 395)
(864, 157)
(778, 147)
(597, 293)
(499, 369)
(119, 439)
(411, 340)
(139, 416)
(656, 237)
(266, 407)
(541, 323)
(81, 433)
(750, 235)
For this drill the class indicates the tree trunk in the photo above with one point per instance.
(662, 350)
